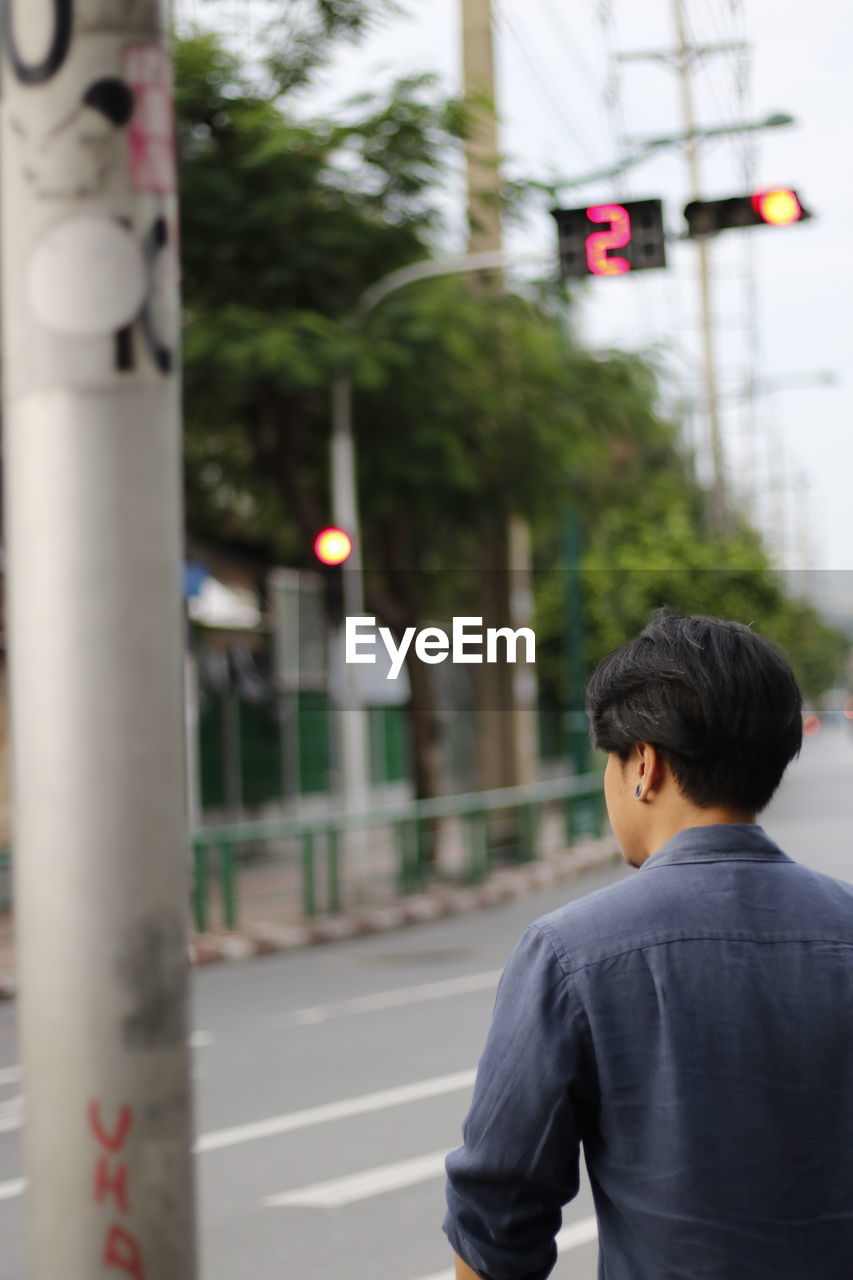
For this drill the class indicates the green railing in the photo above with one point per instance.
(318, 845)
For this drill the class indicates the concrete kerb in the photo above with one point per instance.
(505, 884)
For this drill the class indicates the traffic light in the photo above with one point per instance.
(332, 547)
(611, 239)
(774, 206)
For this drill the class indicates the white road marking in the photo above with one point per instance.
(8, 1190)
(323, 1114)
(220, 1139)
(10, 1075)
(571, 1237)
(394, 998)
(338, 1192)
(584, 1231)
(326, 1112)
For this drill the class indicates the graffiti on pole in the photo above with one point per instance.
(96, 273)
(74, 156)
(151, 137)
(121, 1249)
(37, 72)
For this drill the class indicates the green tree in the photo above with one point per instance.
(471, 403)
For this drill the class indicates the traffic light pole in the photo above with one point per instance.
(94, 542)
(353, 736)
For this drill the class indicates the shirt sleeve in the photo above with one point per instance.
(519, 1163)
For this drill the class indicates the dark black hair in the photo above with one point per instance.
(719, 702)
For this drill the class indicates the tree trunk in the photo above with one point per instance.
(425, 730)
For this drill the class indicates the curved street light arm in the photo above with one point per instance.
(458, 264)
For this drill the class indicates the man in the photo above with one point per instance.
(691, 1027)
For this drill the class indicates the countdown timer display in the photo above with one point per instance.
(611, 239)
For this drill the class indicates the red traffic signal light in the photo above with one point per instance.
(779, 206)
(332, 546)
(611, 239)
(773, 206)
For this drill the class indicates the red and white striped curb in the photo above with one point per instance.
(504, 885)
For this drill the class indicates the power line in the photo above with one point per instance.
(725, 117)
(542, 81)
(654, 294)
(565, 36)
(613, 103)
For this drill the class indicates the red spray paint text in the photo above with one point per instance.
(121, 1251)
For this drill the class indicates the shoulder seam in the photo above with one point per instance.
(693, 937)
(556, 946)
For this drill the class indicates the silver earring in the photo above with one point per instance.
(639, 791)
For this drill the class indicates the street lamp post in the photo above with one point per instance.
(353, 739)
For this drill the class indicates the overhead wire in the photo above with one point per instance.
(541, 79)
(701, 56)
(623, 184)
(751, 432)
(708, 68)
(754, 420)
(568, 41)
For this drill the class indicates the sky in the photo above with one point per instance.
(558, 64)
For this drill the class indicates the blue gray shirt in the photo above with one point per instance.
(691, 1028)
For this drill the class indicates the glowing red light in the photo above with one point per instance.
(332, 546)
(615, 238)
(779, 206)
(811, 725)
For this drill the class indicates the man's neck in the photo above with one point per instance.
(683, 817)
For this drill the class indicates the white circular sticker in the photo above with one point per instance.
(87, 277)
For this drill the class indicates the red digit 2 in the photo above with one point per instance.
(616, 237)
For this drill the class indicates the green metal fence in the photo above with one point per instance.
(499, 827)
(5, 880)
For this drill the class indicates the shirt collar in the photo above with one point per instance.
(722, 842)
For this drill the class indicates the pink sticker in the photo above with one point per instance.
(151, 132)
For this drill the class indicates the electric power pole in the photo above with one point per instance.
(481, 150)
(94, 539)
(508, 711)
(718, 483)
(682, 59)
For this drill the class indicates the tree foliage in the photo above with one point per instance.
(471, 402)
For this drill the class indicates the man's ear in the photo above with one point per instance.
(651, 767)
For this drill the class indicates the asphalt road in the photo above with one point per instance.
(330, 1083)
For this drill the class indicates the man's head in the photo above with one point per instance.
(703, 716)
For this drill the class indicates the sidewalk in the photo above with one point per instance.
(271, 921)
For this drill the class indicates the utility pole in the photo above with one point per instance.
(481, 148)
(94, 539)
(718, 480)
(508, 696)
(682, 59)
